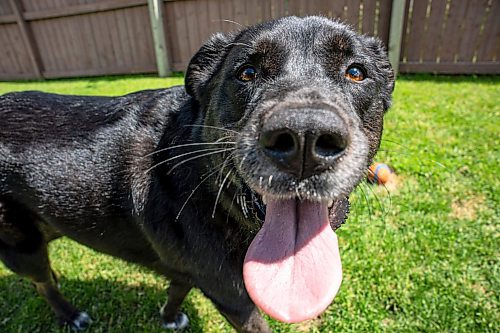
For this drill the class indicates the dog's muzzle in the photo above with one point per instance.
(303, 141)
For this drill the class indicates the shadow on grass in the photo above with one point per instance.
(113, 306)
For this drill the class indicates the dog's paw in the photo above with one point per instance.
(81, 322)
(181, 322)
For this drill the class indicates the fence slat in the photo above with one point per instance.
(352, 14)
(5, 9)
(27, 38)
(337, 9)
(434, 38)
(488, 49)
(369, 7)
(294, 7)
(474, 17)
(417, 30)
(384, 20)
(87, 8)
(253, 12)
(454, 24)
(277, 9)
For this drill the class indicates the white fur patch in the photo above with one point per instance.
(181, 322)
(81, 322)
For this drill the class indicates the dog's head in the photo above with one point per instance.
(304, 99)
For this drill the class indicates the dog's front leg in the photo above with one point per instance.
(246, 320)
(172, 317)
(243, 315)
(226, 290)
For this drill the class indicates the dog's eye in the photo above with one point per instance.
(355, 73)
(247, 73)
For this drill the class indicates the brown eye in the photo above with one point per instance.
(247, 73)
(355, 73)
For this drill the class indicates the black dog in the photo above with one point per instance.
(233, 185)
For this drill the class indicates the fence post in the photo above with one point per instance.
(160, 44)
(28, 39)
(396, 32)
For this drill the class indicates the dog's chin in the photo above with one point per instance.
(324, 188)
(336, 201)
(272, 184)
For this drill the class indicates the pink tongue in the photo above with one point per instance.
(292, 269)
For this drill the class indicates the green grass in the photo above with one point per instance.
(420, 257)
(103, 86)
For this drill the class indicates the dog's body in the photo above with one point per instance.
(174, 181)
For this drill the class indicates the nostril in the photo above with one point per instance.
(280, 142)
(329, 145)
(284, 143)
(283, 147)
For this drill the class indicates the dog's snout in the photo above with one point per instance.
(304, 142)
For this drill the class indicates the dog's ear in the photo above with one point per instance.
(386, 74)
(205, 63)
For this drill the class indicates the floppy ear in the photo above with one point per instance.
(205, 63)
(385, 69)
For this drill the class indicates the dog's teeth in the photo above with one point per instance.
(330, 204)
(264, 200)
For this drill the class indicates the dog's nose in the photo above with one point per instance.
(304, 142)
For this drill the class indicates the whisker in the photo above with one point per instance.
(192, 152)
(226, 160)
(217, 167)
(220, 191)
(199, 156)
(368, 204)
(390, 197)
(231, 206)
(218, 142)
(214, 127)
(205, 176)
(395, 142)
(230, 21)
(186, 160)
(298, 192)
(226, 137)
(192, 193)
(384, 212)
(238, 44)
(243, 159)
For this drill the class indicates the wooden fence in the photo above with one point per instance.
(451, 36)
(67, 38)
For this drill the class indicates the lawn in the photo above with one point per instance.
(419, 256)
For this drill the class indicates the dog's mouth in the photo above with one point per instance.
(292, 269)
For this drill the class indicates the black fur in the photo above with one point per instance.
(105, 171)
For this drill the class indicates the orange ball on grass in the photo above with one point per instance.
(379, 173)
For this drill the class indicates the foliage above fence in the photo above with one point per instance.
(61, 38)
